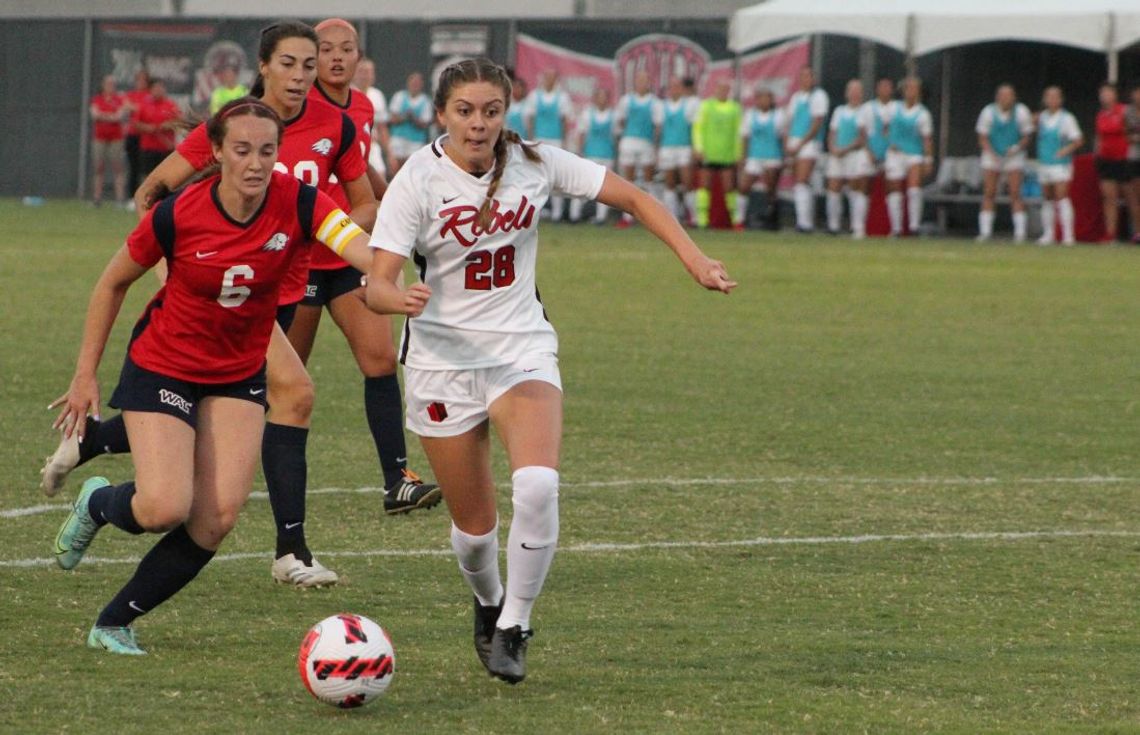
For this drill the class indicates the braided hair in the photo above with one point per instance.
(485, 70)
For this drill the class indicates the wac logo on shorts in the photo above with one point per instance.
(171, 398)
(661, 55)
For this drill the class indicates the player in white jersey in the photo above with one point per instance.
(848, 163)
(597, 129)
(365, 81)
(551, 113)
(409, 118)
(879, 111)
(1003, 130)
(477, 347)
(675, 157)
(910, 156)
(806, 113)
(1058, 137)
(761, 133)
(639, 117)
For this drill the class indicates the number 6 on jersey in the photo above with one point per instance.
(232, 296)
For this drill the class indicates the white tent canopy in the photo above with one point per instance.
(919, 27)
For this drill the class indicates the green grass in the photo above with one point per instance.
(881, 388)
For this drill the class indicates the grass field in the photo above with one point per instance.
(884, 487)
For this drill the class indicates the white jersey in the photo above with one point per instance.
(484, 310)
(379, 105)
(990, 115)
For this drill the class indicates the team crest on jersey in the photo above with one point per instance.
(323, 146)
(460, 221)
(276, 243)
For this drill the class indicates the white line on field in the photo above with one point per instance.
(706, 481)
(617, 548)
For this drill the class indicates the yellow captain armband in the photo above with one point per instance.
(337, 231)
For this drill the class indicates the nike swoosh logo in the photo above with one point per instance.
(534, 548)
(400, 460)
(452, 199)
(257, 392)
(530, 370)
(201, 255)
(134, 606)
(292, 525)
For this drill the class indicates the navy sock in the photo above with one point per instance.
(168, 567)
(104, 437)
(286, 473)
(385, 415)
(112, 505)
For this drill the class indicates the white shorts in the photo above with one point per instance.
(811, 149)
(899, 164)
(851, 165)
(442, 403)
(758, 166)
(1003, 164)
(672, 157)
(636, 152)
(1057, 173)
(402, 148)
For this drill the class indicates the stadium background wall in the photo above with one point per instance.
(51, 68)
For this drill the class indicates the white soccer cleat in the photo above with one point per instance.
(1045, 241)
(60, 464)
(291, 570)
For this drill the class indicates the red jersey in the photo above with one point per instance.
(1112, 134)
(136, 98)
(318, 142)
(360, 110)
(211, 321)
(113, 105)
(156, 112)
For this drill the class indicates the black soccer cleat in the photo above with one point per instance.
(410, 493)
(485, 619)
(508, 654)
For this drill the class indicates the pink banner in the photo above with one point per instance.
(775, 68)
(579, 74)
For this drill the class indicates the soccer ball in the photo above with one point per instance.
(346, 660)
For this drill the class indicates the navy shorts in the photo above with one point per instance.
(285, 314)
(1113, 170)
(144, 390)
(325, 286)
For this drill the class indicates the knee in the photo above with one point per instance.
(379, 362)
(292, 401)
(159, 517)
(209, 531)
(535, 501)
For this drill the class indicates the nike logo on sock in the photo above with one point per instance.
(134, 606)
(290, 526)
(534, 548)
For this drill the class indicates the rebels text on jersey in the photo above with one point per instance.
(211, 321)
(318, 142)
(360, 110)
(484, 309)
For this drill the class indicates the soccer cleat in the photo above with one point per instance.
(115, 640)
(410, 493)
(60, 464)
(79, 528)
(508, 654)
(291, 570)
(485, 618)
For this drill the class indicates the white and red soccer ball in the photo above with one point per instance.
(346, 660)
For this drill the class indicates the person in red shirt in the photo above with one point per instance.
(192, 388)
(136, 98)
(1111, 156)
(318, 142)
(333, 284)
(157, 121)
(108, 109)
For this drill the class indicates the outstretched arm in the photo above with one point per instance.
(617, 192)
(82, 397)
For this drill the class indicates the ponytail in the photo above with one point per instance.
(502, 152)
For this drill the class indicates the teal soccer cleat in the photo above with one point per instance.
(115, 640)
(77, 531)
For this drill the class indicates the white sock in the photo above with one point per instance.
(656, 190)
(1048, 221)
(914, 208)
(985, 223)
(672, 202)
(479, 563)
(741, 207)
(805, 214)
(531, 542)
(1019, 226)
(1065, 209)
(857, 201)
(601, 212)
(576, 209)
(834, 210)
(691, 203)
(895, 210)
(556, 206)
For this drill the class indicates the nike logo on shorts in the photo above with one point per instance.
(256, 391)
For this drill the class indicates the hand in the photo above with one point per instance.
(415, 299)
(81, 399)
(711, 274)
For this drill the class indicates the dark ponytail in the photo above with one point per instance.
(272, 35)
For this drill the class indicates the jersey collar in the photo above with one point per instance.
(226, 215)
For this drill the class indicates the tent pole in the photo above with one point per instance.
(911, 65)
(85, 106)
(1113, 57)
(817, 56)
(867, 63)
(944, 108)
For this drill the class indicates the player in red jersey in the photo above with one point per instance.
(192, 388)
(333, 283)
(318, 142)
(136, 98)
(107, 114)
